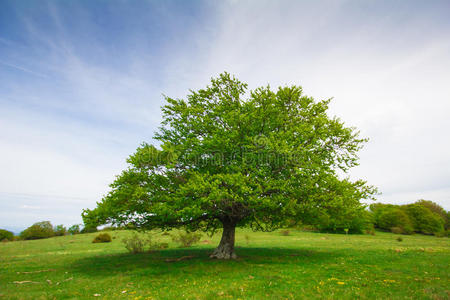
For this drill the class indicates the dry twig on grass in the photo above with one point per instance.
(180, 258)
(31, 272)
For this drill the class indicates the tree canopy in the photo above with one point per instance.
(39, 230)
(422, 216)
(226, 156)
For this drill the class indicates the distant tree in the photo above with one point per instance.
(74, 229)
(396, 217)
(89, 228)
(229, 157)
(422, 217)
(377, 208)
(60, 230)
(424, 220)
(437, 209)
(354, 221)
(38, 230)
(6, 235)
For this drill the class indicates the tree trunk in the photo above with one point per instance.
(225, 250)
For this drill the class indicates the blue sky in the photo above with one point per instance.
(81, 85)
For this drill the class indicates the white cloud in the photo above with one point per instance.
(25, 206)
(387, 79)
(69, 135)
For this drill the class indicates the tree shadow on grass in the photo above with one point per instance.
(184, 261)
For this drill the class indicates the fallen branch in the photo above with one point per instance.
(179, 259)
(26, 281)
(58, 283)
(31, 272)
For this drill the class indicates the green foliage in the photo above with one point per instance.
(308, 228)
(102, 238)
(422, 217)
(137, 243)
(232, 156)
(60, 230)
(436, 209)
(370, 231)
(89, 229)
(39, 230)
(74, 229)
(395, 217)
(397, 230)
(6, 235)
(134, 243)
(186, 239)
(346, 221)
(424, 220)
(162, 245)
(445, 233)
(109, 228)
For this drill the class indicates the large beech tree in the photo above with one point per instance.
(229, 157)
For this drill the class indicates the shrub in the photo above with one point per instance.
(399, 239)
(370, 231)
(130, 226)
(102, 238)
(60, 230)
(163, 245)
(74, 229)
(308, 228)
(187, 239)
(6, 235)
(157, 245)
(397, 230)
(285, 232)
(40, 230)
(136, 244)
(442, 233)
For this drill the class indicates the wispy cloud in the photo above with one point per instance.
(96, 85)
(24, 206)
(23, 69)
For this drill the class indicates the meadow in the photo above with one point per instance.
(301, 265)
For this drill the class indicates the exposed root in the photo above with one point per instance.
(219, 253)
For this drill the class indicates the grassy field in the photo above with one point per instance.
(270, 266)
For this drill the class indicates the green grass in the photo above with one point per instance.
(271, 266)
